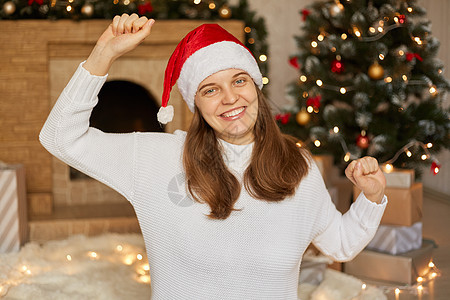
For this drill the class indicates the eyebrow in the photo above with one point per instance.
(211, 84)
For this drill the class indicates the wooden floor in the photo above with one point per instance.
(436, 226)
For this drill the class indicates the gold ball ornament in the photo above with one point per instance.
(9, 8)
(87, 10)
(225, 12)
(376, 71)
(302, 117)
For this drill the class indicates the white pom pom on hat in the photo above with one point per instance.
(204, 51)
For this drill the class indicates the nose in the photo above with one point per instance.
(230, 96)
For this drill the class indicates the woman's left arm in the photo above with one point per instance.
(343, 236)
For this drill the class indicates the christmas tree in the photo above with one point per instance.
(369, 84)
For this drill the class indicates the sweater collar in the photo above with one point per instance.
(236, 156)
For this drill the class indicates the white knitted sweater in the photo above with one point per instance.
(253, 254)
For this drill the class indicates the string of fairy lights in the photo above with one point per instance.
(376, 72)
(136, 260)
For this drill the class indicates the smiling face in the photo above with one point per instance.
(228, 102)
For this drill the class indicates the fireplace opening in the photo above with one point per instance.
(123, 107)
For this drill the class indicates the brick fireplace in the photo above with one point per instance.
(37, 59)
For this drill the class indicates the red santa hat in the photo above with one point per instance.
(204, 51)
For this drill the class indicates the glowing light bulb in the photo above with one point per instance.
(388, 79)
(129, 259)
(380, 29)
(433, 90)
(305, 95)
(146, 267)
(431, 264)
(68, 257)
(319, 82)
(343, 90)
(347, 157)
(404, 77)
(401, 52)
(298, 144)
(433, 275)
(388, 168)
(344, 36)
(372, 30)
(357, 33)
(197, 1)
(419, 279)
(310, 109)
(212, 5)
(139, 256)
(336, 129)
(317, 143)
(265, 80)
(247, 29)
(314, 44)
(410, 9)
(303, 78)
(28, 272)
(126, 2)
(262, 57)
(408, 153)
(364, 286)
(251, 41)
(397, 291)
(436, 170)
(381, 56)
(24, 268)
(420, 288)
(424, 157)
(144, 278)
(418, 41)
(119, 248)
(320, 37)
(69, 8)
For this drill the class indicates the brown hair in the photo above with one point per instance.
(276, 168)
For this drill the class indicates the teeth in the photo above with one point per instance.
(233, 113)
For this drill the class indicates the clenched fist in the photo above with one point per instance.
(366, 174)
(123, 35)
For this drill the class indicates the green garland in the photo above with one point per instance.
(256, 32)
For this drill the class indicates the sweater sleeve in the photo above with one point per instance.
(66, 134)
(342, 237)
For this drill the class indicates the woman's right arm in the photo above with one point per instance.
(66, 134)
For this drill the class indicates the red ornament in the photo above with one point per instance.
(40, 2)
(401, 19)
(435, 168)
(294, 62)
(145, 8)
(314, 101)
(337, 66)
(362, 141)
(283, 118)
(305, 14)
(410, 56)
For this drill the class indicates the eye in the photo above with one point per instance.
(208, 91)
(240, 81)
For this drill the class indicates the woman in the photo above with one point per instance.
(228, 208)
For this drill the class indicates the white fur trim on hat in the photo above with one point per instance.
(212, 59)
(165, 114)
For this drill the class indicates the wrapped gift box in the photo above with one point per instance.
(404, 206)
(396, 269)
(13, 211)
(399, 178)
(397, 239)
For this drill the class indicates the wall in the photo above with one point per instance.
(283, 22)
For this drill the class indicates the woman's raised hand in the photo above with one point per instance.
(366, 174)
(123, 35)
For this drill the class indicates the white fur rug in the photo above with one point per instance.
(114, 266)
